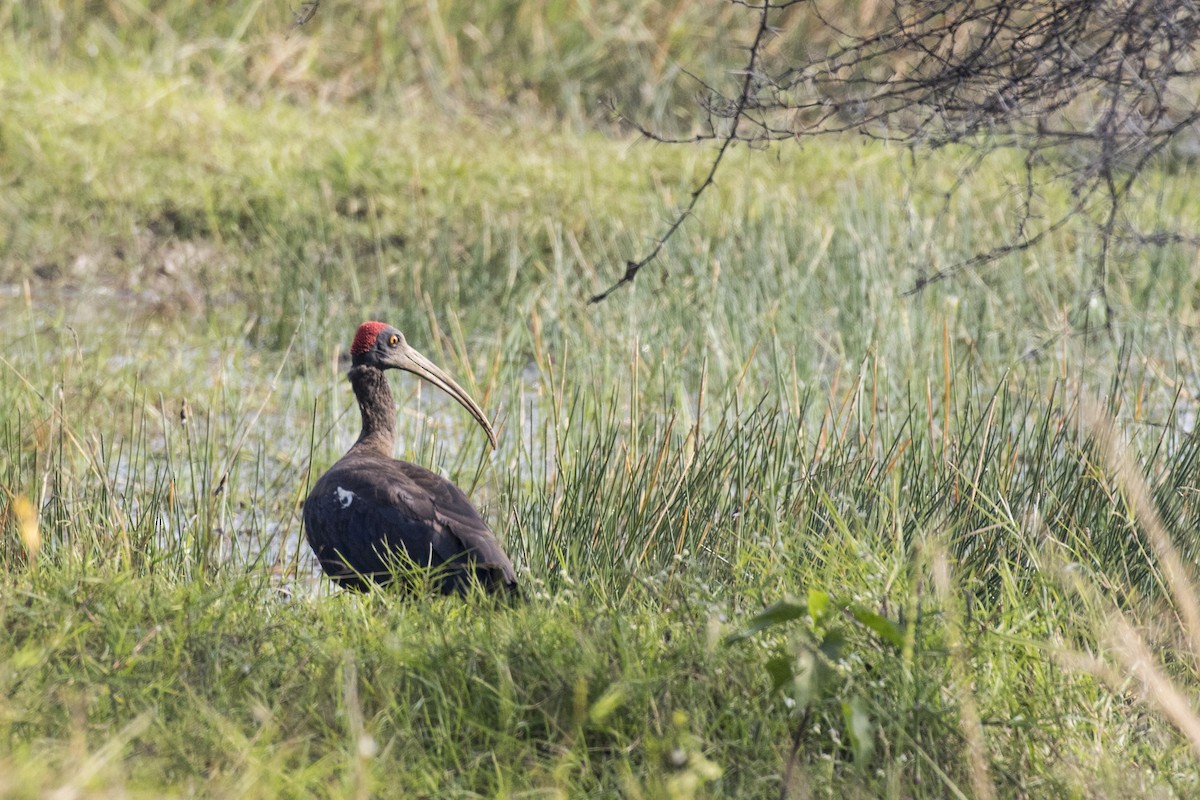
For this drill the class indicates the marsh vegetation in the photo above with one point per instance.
(787, 530)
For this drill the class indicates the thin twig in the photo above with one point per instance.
(1093, 94)
(633, 267)
(790, 766)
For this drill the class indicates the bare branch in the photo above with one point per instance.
(1092, 91)
(740, 104)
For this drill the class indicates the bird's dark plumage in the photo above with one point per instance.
(370, 512)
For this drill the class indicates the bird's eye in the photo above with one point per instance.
(393, 340)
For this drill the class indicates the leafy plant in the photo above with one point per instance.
(813, 670)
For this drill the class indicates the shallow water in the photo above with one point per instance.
(203, 438)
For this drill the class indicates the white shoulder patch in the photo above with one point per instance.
(345, 497)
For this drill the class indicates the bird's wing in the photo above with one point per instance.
(361, 513)
(459, 527)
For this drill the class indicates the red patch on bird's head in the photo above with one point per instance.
(364, 340)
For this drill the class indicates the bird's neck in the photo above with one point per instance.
(378, 410)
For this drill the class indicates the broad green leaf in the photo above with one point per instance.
(772, 615)
(832, 643)
(781, 671)
(861, 730)
(818, 605)
(807, 681)
(887, 630)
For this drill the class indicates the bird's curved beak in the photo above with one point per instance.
(410, 360)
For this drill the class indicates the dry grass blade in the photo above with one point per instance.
(972, 729)
(27, 526)
(1157, 688)
(1179, 580)
(110, 753)
(1122, 638)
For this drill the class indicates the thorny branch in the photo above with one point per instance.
(1093, 92)
(735, 116)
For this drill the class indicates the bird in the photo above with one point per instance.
(374, 520)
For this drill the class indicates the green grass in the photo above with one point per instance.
(187, 240)
(493, 56)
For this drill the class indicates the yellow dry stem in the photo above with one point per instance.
(27, 526)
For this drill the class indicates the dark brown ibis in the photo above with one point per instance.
(371, 512)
